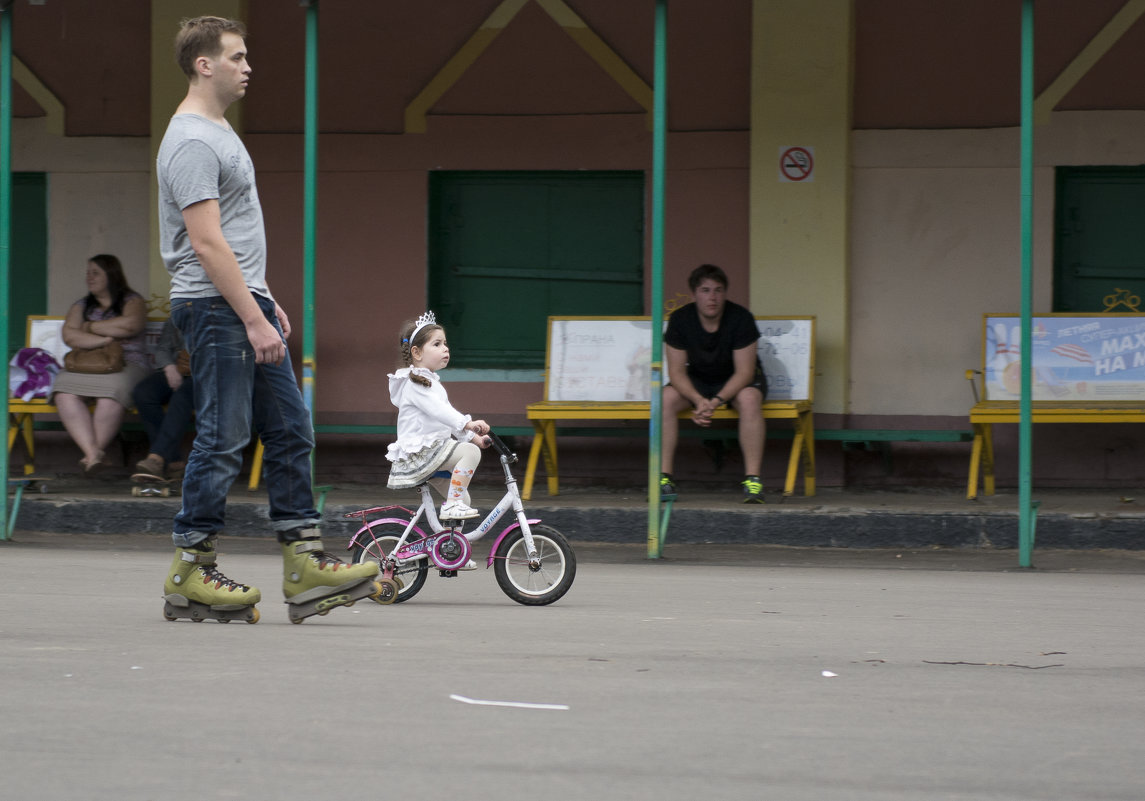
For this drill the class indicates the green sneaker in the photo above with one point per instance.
(667, 488)
(752, 490)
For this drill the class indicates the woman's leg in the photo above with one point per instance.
(78, 423)
(106, 421)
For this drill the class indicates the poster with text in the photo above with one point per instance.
(1073, 358)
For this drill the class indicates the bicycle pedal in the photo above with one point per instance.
(447, 573)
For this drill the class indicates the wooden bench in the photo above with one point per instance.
(1086, 369)
(597, 368)
(45, 331)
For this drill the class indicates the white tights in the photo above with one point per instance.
(463, 461)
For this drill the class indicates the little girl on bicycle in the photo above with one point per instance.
(432, 435)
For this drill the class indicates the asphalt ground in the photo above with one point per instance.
(719, 671)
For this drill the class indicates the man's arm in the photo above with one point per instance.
(678, 377)
(744, 359)
(204, 228)
(678, 374)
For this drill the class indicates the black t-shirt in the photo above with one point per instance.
(710, 356)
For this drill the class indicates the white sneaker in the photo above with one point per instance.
(470, 565)
(456, 510)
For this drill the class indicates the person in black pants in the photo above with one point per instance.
(166, 402)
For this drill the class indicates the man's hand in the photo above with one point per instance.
(173, 376)
(283, 320)
(702, 414)
(269, 347)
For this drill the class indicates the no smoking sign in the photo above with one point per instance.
(796, 165)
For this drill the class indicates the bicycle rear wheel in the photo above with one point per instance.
(377, 543)
(535, 582)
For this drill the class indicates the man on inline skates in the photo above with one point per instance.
(213, 243)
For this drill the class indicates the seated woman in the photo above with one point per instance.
(110, 311)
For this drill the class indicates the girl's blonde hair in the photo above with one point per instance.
(419, 341)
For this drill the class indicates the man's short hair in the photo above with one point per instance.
(202, 36)
(703, 273)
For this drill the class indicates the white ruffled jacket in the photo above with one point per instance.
(424, 414)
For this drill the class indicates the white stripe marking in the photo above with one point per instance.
(516, 704)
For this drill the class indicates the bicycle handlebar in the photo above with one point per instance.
(502, 448)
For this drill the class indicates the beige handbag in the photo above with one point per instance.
(104, 359)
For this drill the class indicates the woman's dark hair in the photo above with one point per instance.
(704, 272)
(117, 285)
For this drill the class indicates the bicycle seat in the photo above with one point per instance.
(438, 474)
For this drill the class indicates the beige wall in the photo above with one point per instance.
(935, 244)
(97, 203)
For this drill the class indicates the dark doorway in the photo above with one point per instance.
(508, 249)
(1099, 261)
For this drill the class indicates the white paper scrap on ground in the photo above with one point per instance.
(828, 674)
(516, 704)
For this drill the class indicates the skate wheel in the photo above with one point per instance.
(387, 591)
(253, 616)
(224, 620)
(169, 616)
(137, 491)
(196, 620)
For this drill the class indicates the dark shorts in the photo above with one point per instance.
(709, 390)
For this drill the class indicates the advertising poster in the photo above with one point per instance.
(1074, 358)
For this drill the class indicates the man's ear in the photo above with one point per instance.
(203, 66)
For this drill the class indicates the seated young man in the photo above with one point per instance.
(710, 353)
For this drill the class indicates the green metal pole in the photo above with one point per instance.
(656, 301)
(1026, 509)
(5, 219)
(309, 218)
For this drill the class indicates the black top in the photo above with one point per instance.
(710, 356)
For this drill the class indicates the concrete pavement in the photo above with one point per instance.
(721, 671)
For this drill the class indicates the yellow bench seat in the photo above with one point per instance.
(984, 414)
(545, 414)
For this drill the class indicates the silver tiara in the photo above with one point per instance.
(422, 322)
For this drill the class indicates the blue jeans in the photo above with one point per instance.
(165, 426)
(232, 395)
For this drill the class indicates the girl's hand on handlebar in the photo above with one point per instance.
(483, 441)
(479, 427)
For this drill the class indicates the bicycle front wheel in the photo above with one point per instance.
(539, 581)
(377, 543)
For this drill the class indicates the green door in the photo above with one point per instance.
(1099, 254)
(28, 262)
(508, 249)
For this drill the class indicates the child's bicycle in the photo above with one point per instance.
(533, 563)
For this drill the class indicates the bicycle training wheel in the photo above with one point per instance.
(411, 575)
(540, 583)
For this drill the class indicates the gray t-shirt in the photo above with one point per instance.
(200, 160)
